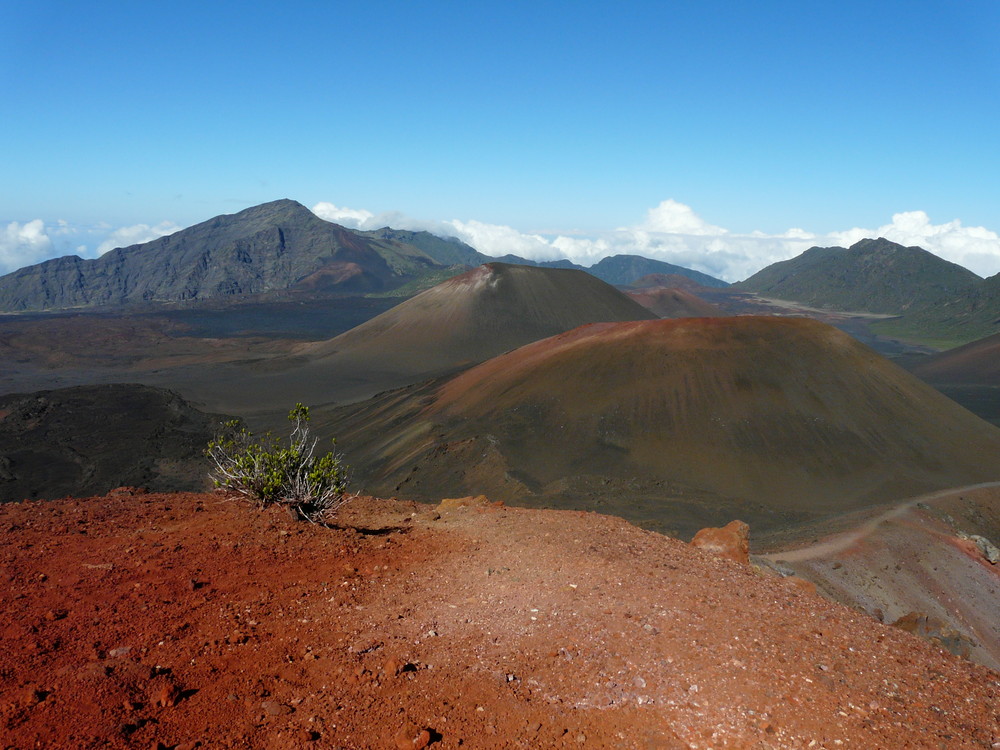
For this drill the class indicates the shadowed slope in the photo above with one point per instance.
(94, 438)
(773, 418)
(969, 374)
(919, 557)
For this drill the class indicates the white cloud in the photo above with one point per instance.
(673, 232)
(24, 244)
(671, 217)
(135, 235)
(976, 248)
(670, 231)
(348, 217)
(502, 240)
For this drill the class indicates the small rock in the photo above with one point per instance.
(804, 586)
(129, 491)
(732, 541)
(451, 503)
(56, 614)
(986, 548)
(411, 737)
(33, 695)
(166, 695)
(273, 708)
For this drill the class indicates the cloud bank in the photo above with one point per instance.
(33, 242)
(674, 233)
(135, 235)
(24, 244)
(671, 231)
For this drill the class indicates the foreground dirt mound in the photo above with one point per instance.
(183, 619)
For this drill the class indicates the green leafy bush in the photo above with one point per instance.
(267, 471)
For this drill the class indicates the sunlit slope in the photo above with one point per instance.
(470, 318)
(784, 415)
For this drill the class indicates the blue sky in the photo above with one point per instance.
(723, 135)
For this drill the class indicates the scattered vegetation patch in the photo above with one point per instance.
(267, 471)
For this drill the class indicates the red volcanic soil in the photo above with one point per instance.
(184, 620)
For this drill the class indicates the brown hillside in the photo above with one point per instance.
(460, 322)
(674, 421)
(181, 621)
(666, 302)
(975, 363)
(488, 310)
(669, 281)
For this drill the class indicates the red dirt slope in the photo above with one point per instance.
(179, 621)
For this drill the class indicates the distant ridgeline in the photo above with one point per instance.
(280, 246)
(934, 299)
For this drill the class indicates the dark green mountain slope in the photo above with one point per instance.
(876, 276)
(274, 246)
(448, 251)
(936, 302)
(623, 270)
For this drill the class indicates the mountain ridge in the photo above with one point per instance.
(275, 247)
(269, 247)
(934, 300)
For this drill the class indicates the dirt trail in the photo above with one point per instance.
(837, 543)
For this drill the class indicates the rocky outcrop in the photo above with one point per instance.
(732, 541)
